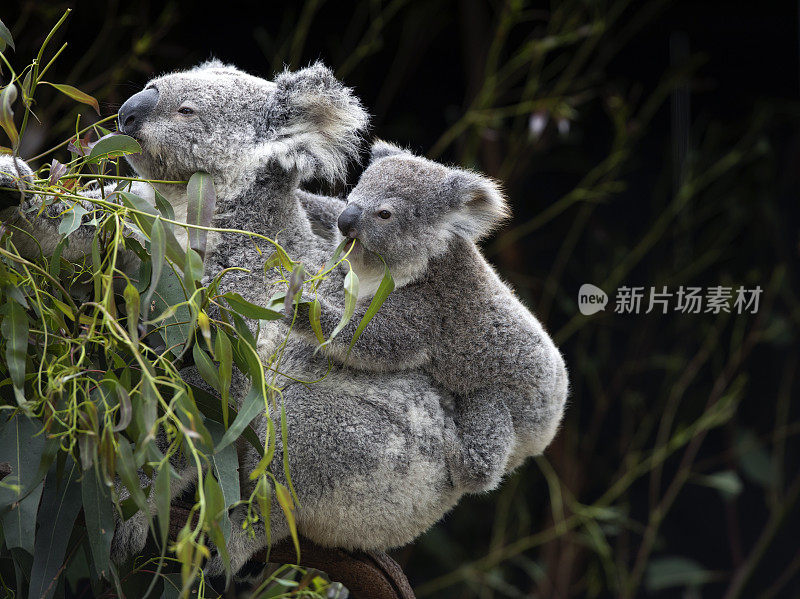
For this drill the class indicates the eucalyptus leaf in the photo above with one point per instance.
(98, 511)
(113, 145)
(225, 465)
(249, 310)
(202, 199)
(61, 502)
(6, 36)
(75, 94)
(670, 572)
(384, 289)
(15, 332)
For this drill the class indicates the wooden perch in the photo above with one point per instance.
(367, 575)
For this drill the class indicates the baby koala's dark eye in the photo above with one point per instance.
(384, 214)
(185, 110)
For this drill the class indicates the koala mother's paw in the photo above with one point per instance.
(12, 173)
(130, 537)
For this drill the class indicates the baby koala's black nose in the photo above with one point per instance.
(135, 109)
(348, 220)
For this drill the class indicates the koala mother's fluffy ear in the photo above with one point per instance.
(319, 122)
(478, 203)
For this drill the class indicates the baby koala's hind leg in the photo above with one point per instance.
(484, 441)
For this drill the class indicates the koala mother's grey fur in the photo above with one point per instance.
(368, 453)
(451, 315)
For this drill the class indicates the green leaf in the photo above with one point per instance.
(145, 218)
(163, 205)
(5, 35)
(7, 97)
(113, 145)
(755, 461)
(245, 308)
(61, 502)
(15, 332)
(192, 270)
(726, 482)
(285, 501)
(252, 406)
(131, 297)
(169, 293)
(224, 351)
(72, 220)
(98, 511)
(163, 499)
(214, 515)
(669, 572)
(264, 501)
(157, 249)
(384, 289)
(206, 367)
(202, 199)
(126, 468)
(75, 94)
(225, 465)
(350, 297)
(314, 314)
(23, 448)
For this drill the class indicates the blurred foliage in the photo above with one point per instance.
(675, 471)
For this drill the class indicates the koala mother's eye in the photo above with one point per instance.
(384, 214)
(186, 110)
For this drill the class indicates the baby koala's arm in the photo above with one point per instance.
(396, 338)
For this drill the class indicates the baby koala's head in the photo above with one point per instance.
(408, 209)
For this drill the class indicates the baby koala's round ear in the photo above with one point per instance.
(478, 204)
(384, 149)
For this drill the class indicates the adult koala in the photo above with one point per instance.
(369, 454)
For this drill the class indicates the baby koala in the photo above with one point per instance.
(450, 313)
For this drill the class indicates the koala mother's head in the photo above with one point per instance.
(218, 119)
(408, 209)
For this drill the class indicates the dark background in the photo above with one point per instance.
(662, 100)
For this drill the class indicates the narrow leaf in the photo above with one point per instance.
(98, 512)
(7, 97)
(206, 367)
(131, 297)
(252, 406)
(225, 464)
(224, 351)
(61, 502)
(5, 35)
(350, 297)
(75, 94)
(162, 501)
(245, 308)
(157, 249)
(384, 289)
(202, 200)
(285, 501)
(15, 332)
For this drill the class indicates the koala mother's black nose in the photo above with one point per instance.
(135, 109)
(348, 220)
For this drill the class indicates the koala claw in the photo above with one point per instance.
(130, 537)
